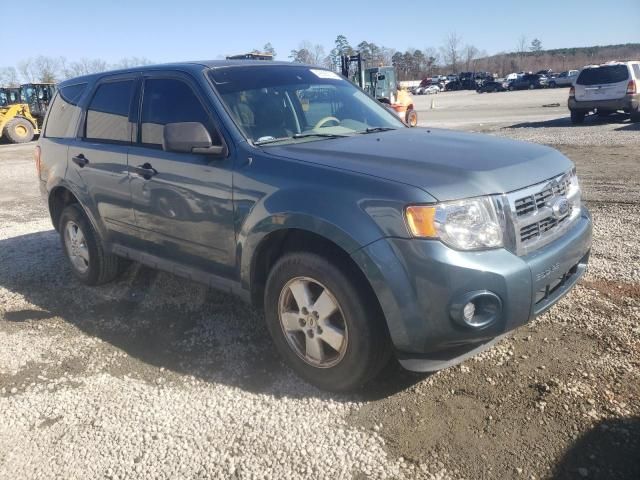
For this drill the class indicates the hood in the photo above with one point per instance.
(447, 164)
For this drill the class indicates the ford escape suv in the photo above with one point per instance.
(606, 89)
(285, 184)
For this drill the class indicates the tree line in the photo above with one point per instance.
(454, 55)
(42, 69)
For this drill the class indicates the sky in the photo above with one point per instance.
(164, 31)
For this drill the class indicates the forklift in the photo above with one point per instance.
(381, 83)
(22, 120)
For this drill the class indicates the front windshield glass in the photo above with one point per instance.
(286, 104)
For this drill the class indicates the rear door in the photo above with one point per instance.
(606, 82)
(184, 211)
(98, 157)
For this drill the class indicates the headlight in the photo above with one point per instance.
(470, 224)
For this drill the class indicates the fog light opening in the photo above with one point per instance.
(477, 309)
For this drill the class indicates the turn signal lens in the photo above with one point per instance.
(572, 91)
(420, 221)
(631, 88)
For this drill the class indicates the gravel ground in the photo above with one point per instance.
(156, 377)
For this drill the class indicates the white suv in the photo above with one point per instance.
(606, 89)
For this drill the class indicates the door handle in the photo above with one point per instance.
(145, 170)
(80, 160)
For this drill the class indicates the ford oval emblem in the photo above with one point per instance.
(560, 207)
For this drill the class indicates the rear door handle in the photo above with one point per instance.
(145, 170)
(80, 160)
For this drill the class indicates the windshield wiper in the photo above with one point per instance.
(323, 135)
(300, 135)
(377, 129)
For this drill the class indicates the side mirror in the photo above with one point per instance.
(189, 137)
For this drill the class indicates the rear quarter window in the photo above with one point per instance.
(63, 111)
(602, 75)
(636, 70)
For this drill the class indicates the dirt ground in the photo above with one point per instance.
(155, 377)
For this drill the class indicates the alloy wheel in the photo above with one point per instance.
(312, 322)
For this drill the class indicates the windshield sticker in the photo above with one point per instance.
(325, 74)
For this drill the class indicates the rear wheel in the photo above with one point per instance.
(635, 115)
(552, 85)
(83, 247)
(18, 130)
(577, 117)
(325, 325)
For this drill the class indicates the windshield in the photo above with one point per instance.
(286, 104)
(605, 74)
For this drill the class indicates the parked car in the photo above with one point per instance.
(452, 85)
(528, 81)
(546, 72)
(491, 87)
(606, 89)
(359, 237)
(564, 79)
(431, 89)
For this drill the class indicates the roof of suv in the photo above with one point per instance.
(190, 65)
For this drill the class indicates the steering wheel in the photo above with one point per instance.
(324, 120)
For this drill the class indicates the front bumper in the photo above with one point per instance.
(627, 103)
(418, 281)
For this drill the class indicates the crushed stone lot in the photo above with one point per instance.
(154, 377)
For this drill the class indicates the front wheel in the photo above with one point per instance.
(18, 130)
(325, 325)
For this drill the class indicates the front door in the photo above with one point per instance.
(182, 201)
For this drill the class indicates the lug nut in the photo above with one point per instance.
(302, 322)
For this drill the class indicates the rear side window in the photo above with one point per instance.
(63, 110)
(168, 100)
(108, 113)
(604, 74)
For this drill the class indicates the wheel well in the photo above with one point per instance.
(58, 199)
(278, 243)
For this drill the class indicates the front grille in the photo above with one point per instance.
(531, 203)
(533, 216)
(531, 231)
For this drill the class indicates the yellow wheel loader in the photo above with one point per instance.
(20, 122)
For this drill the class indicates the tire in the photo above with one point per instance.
(412, 118)
(552, 85)
(577, 117)
(364, 347)
(18, 130)
(510, 88)
(99, 266)
(531, 86)
(635, 116)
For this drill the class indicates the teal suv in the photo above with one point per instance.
(359, 238)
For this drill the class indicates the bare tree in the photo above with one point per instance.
(451, 50)
(469, 54)
(9, 77)
(521, 49)
(309, 54)
(85, 66)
